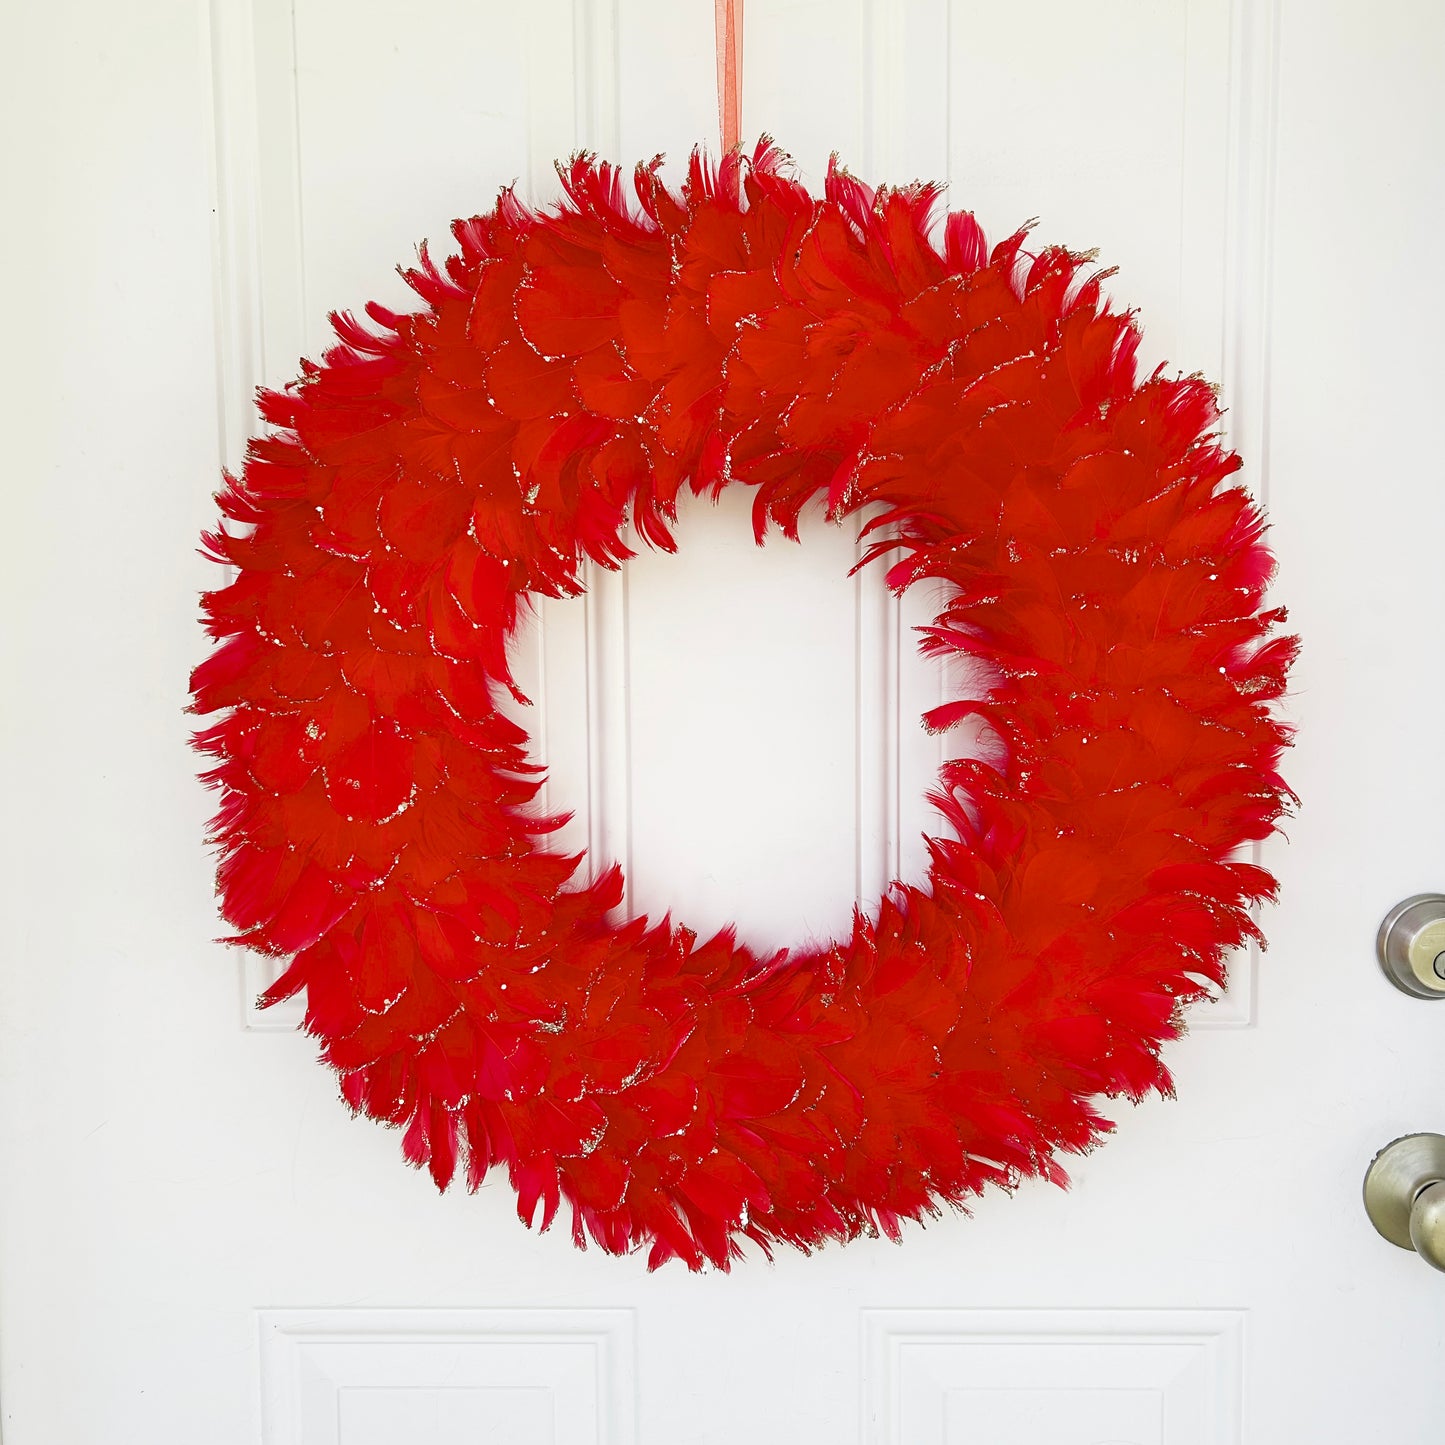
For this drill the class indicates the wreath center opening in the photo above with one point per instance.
(737, 726)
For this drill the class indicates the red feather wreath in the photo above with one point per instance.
(572, 369)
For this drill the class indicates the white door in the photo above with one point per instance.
(199, 1244)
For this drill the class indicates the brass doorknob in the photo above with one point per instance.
(1411, 945)
(1405, 1195)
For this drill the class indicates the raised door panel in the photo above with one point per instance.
(447, 1377)
(1053, 1377)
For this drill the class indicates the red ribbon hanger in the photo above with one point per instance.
(728, 25)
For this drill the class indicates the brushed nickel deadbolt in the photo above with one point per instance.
(1411, 945)
(1405, 1195)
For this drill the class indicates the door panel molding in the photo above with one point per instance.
(1073, 1377)
(534, 1376)
(907, 104)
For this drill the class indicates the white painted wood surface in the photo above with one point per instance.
(196, 1242)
